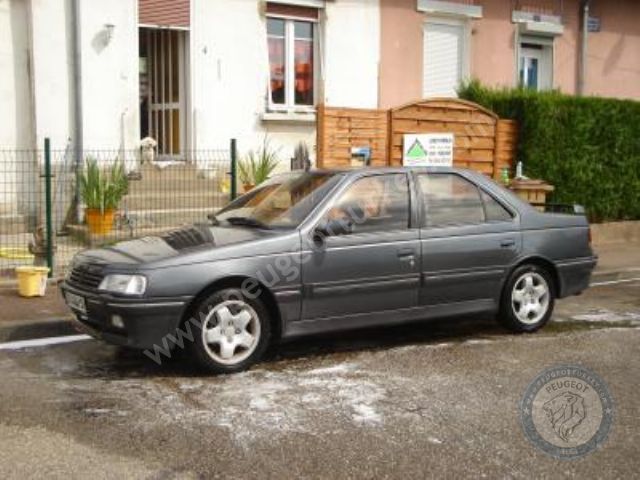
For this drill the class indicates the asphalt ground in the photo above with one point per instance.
(430, 400)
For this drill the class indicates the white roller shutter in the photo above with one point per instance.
(444, 57)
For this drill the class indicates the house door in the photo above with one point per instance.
(162, 90)
(535, 66)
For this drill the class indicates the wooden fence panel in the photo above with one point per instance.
(340, 129)
(483, 142)
(474, 130)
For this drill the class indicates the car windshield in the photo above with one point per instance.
(281, 202)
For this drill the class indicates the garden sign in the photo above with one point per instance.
(428, 150)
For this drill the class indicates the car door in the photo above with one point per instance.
(374, 268)
(468, 241)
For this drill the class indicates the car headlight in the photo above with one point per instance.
(124, 284)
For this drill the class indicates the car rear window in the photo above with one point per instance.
(450, 199)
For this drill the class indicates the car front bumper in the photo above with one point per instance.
(147, 321)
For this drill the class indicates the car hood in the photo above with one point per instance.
(200, 242)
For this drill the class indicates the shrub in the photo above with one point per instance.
(587, 147)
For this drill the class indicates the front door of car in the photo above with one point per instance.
(374, 267)
(468, 240)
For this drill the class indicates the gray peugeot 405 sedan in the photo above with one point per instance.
(320, 251)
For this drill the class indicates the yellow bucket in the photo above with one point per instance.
(32, 281)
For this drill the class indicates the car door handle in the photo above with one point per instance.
(406, 253)
(507, 243)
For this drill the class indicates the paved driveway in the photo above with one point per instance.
(427, 400)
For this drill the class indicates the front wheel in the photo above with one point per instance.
(233, 331)
(528, 299)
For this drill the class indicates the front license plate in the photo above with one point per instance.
(76, 302)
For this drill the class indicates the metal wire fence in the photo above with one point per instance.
(160, 195)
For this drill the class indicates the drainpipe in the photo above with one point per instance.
(76, 66)
(582, 72)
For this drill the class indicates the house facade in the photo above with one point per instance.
(192, 74)
(576, 46)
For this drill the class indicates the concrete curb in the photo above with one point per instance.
(28, 330)
(613, 275)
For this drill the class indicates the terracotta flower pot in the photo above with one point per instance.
(247, 186)
(99, 223)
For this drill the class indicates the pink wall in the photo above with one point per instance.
(613, 53)
(492, 44)
(566, 48)
(400, 52)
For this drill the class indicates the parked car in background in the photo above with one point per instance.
(319, 251)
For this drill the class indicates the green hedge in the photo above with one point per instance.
(587, 147)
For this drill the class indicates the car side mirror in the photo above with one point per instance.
(330, 228)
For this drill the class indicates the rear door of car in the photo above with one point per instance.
(376, 267)
(468, 241)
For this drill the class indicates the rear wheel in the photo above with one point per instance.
(232, 333)
(528, 299)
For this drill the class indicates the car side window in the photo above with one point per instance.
(375, 203)
(450, 199)
(494, 210)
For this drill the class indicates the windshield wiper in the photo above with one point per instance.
(212, 218)
(247, 222)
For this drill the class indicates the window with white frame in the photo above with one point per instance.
(535, 63)
(292, 63)
(446, 59)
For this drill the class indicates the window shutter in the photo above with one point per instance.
(309, 13)
(443, 56)
(164, 13)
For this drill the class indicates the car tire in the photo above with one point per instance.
(528, 299)
(231, 331)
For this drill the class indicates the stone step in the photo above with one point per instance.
(168, 217)
(171, 184)
(183, 171)
(13, 224)
(176, 199)
(141, 223)
(174, 186)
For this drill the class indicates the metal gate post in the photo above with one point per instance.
(234, 167)
(49, 214)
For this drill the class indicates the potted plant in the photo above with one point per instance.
(257, 166)
(245, 175)
(101, 191)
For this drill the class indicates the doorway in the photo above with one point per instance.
(163, 90)
(535, 66)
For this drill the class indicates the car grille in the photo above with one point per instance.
(86, 276)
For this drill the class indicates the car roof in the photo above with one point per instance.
(361, 170)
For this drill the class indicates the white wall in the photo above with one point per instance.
(109, 73)
(16, 113)
(51, 61)
(110, 85)
(229, 79)
(230, 71)
(15, 83)
(352, 53)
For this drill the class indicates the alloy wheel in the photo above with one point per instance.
(231, 332)
(530, 298)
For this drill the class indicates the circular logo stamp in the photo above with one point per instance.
(567, 411)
